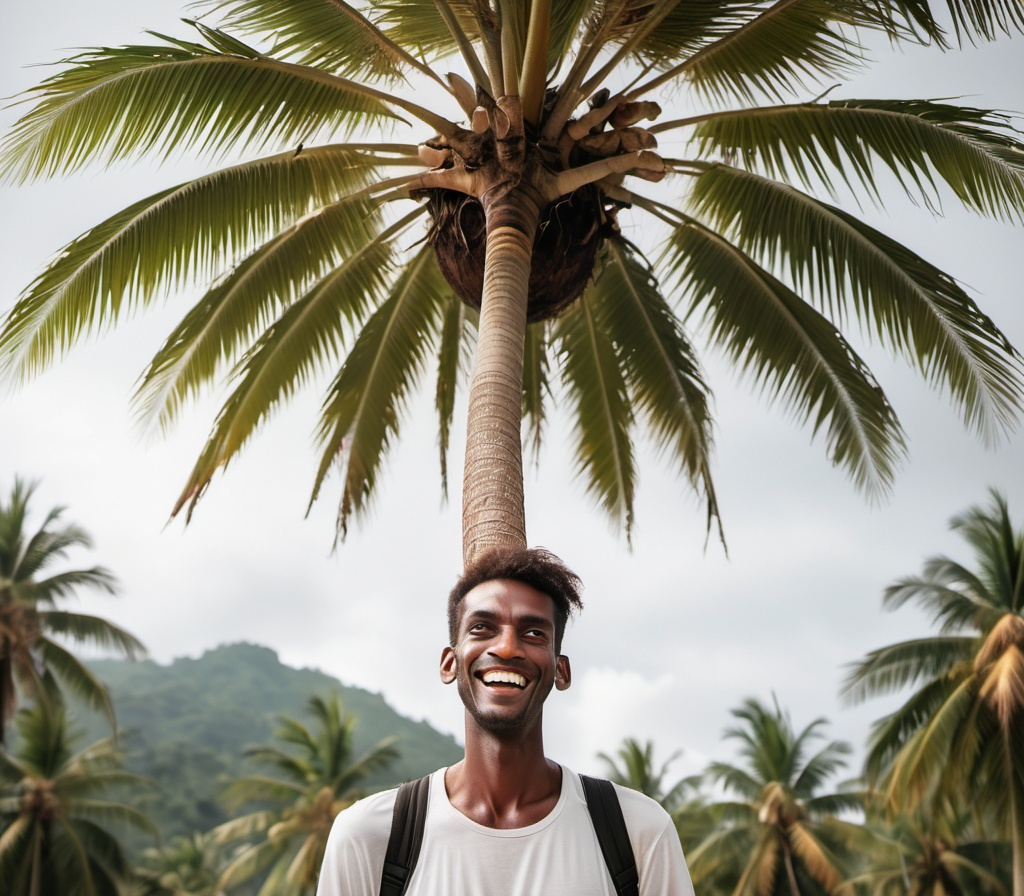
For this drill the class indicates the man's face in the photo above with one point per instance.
(504, 658)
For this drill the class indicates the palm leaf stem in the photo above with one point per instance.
(466, 49)
(565, 182)
(534, 75)
(511, 48)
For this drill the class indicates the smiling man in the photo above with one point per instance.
(506, 820)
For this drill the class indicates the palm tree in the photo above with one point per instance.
(639, 772)
(962, 729)
(929, 853)
(779, 834)
(53, 814)
(189, 866)
(317, 778)
(318, 259)
(29, 618)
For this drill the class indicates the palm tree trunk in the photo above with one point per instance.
(493, 512)
(787, 859)
(1016, 812)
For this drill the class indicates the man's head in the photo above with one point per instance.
(536, 567)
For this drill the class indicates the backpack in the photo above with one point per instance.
(409, 821)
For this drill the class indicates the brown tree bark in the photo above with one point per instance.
(493, 510)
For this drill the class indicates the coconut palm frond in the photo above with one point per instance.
(777, 52)
(792, 352)
(63, 584)
(94, 630)
(244, 303)
(665, 379)
(76, 677)
(913, 305)
(592, 370)
(536, 386)
(167, 240)
(305, 336)
(691, 26)
(971, 150)
(117, 103)
(419, 24)
(987, 19)
(329, 34)
(888, 669)
(453, 360)
(364, 406)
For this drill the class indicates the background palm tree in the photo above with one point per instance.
(317, 777)
(188, 866)
(524, 186)
(639, 772)
(940, 852)
(54, 818)
(29, 619)
(779, 834)
(962, 729)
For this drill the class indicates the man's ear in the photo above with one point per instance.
(449, 666)
(563, 673)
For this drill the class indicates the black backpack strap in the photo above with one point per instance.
(610, 826)
(407, 824)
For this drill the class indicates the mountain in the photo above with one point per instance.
(186, 726)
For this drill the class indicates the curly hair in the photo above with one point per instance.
(536, 567)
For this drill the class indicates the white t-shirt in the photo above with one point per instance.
(557, 856)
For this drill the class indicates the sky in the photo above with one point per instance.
(674, 635)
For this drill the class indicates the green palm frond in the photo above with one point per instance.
(258, 788)
(76, 677)
(690, 26)
(971, 150)
(913, 305)
(985, 18)
(778, 51)
(594, 376)
(303, 338)
(454, 358)
(117, 103)
(949, 592)
(665, 380)
(891, 668)
(567, 17)
(243, 304)
(329, 34)
(364, 405)
(536, 386)
(791, 351)
(418, 24)
(94, 630)
(167, 240)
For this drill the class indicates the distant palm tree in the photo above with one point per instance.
(29, 592)
(189, 866)
(938, 852)
(638, 772)
(962, 730)
(318, 777)
(53, 815)
(508, 188)
(780, 834)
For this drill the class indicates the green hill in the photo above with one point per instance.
(187, 724)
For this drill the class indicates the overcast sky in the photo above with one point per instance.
(673, 636)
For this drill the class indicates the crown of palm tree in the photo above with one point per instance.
(961, 730)
(546, 143)
(53, 813)
(29, 618)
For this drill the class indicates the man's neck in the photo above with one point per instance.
(504, 783)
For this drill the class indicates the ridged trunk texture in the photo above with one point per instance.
(493, 512)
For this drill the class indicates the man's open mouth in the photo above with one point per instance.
(501, 678)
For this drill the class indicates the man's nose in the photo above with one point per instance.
(506, 644)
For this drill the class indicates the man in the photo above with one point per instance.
(506, 820)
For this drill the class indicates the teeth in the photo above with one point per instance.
(497, 677)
